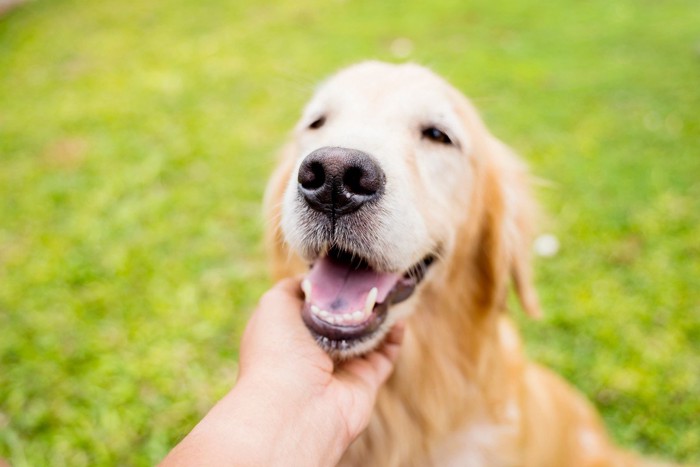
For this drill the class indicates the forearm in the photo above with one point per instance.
(253, 426)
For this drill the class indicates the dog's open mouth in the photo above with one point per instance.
(346, 300)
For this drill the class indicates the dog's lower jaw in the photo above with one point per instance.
(350, 306)
(339, 351)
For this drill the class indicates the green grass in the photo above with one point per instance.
(135, 139)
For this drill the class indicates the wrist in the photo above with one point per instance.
(259, 424)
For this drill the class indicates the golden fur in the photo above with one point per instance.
(463, 394)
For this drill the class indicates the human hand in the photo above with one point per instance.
(278, 349)
(291, 405)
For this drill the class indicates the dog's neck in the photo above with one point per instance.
(444, 379)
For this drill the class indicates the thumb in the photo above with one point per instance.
(275, 322)
(280, 304)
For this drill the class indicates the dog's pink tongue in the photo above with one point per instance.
(341, 288)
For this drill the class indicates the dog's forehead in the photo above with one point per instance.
(387, 79)
(403, 89)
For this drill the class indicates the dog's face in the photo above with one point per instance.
(380, 181)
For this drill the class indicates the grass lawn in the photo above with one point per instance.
(136, 137)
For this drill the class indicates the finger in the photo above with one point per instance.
(284, 295)
(290, 286)
(374, 368)
(393, 342)
(279, 307)
(395, 336)
(366, 374)
(275, 324)
(387, 353)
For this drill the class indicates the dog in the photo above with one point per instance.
(408, 208)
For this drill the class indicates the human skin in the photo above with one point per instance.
(291, 404)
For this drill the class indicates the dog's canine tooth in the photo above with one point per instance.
(371, 300)
(306, 288)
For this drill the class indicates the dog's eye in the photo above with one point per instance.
(433, 134)
(318, 123)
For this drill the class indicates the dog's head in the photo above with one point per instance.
(391, 178)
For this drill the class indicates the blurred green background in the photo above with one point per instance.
(136, 137)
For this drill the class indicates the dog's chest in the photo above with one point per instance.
(481, 444)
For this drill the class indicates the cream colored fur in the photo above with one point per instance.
(462, 393)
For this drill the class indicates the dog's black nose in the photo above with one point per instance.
(338, 181)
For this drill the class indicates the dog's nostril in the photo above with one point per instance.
(361, 181)
(352, 180)
(312, 176)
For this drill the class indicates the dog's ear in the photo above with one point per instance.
(282, 262)
(507, 212)
(520, 214)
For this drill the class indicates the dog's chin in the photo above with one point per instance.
(348, 304)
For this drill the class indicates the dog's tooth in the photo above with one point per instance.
(357, 316)
(323, 313)
(370, 301)
(315, 310)
(306, 288)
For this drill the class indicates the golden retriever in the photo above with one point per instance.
(407, 207)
